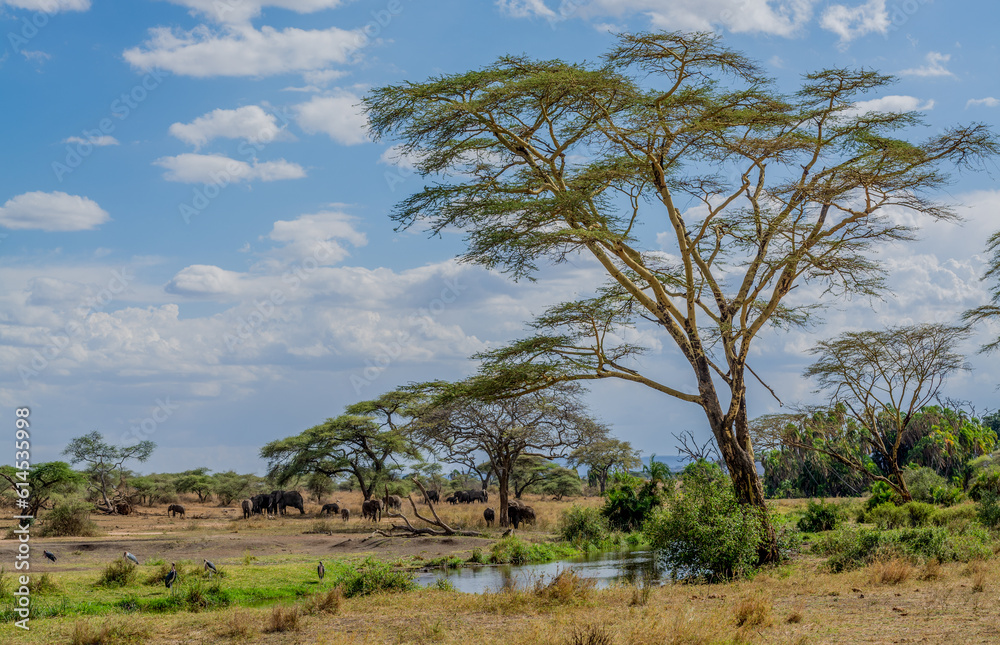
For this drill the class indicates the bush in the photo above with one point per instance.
(630, 501)
(118, 573)
(704, 532)
(583, 525)
(887, 516)
(70, 518)
(820, 516)
(881, 493)
(988, 512)
(373, 576)
(922, 481)
(854, 548)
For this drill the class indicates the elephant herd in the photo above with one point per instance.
(273, 503)
(276, 502)
(468, 496)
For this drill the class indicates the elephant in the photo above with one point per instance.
(247, 509)
(272, 501)
(394, 502)
(451, 499)
(345, 513)
(371, 509)
(478, 496)
(462, 496)
(175, 509)
(489, 516)
(520, 513)
(292, 498)
(259, 504)
(433, 496)
(331, 508)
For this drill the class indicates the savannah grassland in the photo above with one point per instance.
(268, 574)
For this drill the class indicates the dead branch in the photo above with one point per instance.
(411, 531)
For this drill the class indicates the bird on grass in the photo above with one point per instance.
(171, 577)
(210, 567)
(50, 555)
(321, 570)
(131, 557)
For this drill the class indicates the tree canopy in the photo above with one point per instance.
(760, 191)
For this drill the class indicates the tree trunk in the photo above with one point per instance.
(503, 478)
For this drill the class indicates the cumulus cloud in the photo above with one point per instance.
(340, 117)
(55, 211)
(251, 123)
(853, 22)
(891, 103)
(778, 17)
(244, 10)
(48, 6)
(194, 168)
(935, 66)
(103, 140)
(317, 235)
(244, 51)
(989, 101)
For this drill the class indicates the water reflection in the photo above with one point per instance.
(606, 569)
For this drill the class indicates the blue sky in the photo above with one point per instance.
(194, 236)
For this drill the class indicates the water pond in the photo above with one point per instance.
(605, 568)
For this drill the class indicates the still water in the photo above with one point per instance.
(605, 568)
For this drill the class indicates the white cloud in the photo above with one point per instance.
(244, 10)
(316, 236)
(852, 22)
(244, 51)
(778, 17)
(48, 6)
(250, 123)
(103, 140)
(989, 101)
(341, 117)
(195, 168)
(891, 103)
(935, 66)
(54, 211)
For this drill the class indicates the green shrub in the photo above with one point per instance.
(922, 481)
(853, 548)
(987, 481)
(70, 517)
(820, 516)
(629, 501)
(887, 516)
(919, 513)
(881, 493)
(988, 512)
(118, 573)
(955, 518)
(583, 525)
(947, 495)
(373, 576)
(704, 532)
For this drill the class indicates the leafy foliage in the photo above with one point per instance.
(703, 531)
(820, 516)
(629, 501)
(71, 517)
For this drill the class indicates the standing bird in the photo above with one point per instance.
(50, 555)
(321, 570)
(171, 577)
(210, 567)
(131, 557)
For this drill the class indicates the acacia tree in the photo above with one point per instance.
(603, 455)
(106, 463)
(539, 161)
(368, 442)
(546, 423)
(880, 380)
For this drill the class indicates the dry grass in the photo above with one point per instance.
(284, 619)
(329, 602)
(977, 570)
(565, 588)
(931, 570)
(240, 625)
(114, 632)
(589, 635)
(890, 572)
(752, 611)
